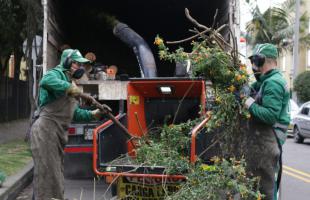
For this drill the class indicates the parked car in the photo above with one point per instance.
(294, 108)
(301, 123)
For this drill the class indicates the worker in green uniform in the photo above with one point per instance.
(270, 118)
(58, 106)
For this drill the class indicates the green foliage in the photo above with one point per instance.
(17, 20)
(12, 23)
(13, 156)
(226, 179)
(168, 148)
(276, 26)
(227, 77)
(302, 86)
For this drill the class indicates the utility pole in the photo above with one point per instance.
(296, 44)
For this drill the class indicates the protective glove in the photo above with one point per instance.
(74, 91)
(97, 114)
(243, 93)
(248, 102)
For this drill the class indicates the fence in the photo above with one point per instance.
(14, 101)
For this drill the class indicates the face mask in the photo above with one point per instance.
(77, 74)
(256, 72)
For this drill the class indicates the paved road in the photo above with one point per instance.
(86, 190)
(13, 130)
(295, 182)
(77, 190)
(296, 171)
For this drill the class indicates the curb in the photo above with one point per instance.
(13, 185)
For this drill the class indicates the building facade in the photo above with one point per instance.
(285, 61)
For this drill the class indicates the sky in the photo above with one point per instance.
(245, 14)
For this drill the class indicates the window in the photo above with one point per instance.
(305, 110)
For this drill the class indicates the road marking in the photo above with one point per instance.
(296, 176)
(296, 171)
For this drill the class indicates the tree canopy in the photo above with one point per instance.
(276, 26)
(18, 21)
(12, 32)
(302, 86)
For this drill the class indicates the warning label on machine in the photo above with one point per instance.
(145, 189)
(134, 100)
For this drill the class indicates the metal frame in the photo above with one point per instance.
(193, 156)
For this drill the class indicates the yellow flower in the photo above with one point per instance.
(218, 99)
(158, 41)
(259, 197)
(248, 116)
(232, 88)
(238, 77)
(216, 160)
(242, 67)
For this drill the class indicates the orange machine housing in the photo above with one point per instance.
(140, 90)
(146, 103)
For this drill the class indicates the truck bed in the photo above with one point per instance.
(81, 24)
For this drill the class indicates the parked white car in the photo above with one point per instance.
(301, 123)
(294, 108)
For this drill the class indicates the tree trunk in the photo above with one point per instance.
(31, 7)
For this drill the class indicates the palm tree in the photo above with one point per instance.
(276, 26)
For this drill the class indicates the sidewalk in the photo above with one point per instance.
(13, 130)
(13, 185)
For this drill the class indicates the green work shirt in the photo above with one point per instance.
(54, 85)
(274, 107)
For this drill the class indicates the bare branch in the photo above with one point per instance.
(187, 39)
(195, 21)
(214, 18)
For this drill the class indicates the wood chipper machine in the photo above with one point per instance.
(149, 102)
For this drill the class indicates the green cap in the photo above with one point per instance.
(267, 49)
(74, 54)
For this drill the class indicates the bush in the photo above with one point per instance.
(302, 86)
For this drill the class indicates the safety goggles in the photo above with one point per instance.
(77, 63)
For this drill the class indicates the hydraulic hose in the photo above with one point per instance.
(140, 47)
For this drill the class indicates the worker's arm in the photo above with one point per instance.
(54, 82)
(82, 115)
(270, 109)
